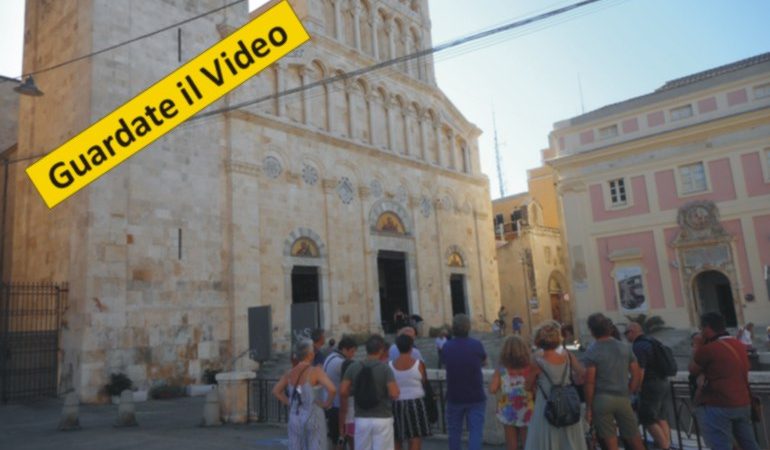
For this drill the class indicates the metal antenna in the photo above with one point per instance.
(498, 159)
(580, 89)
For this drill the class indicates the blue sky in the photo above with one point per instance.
(617, 48)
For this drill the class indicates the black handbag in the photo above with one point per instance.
(431, 408)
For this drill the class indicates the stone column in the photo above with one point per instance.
(305, 96)
(280, 75)
(406, 65)
(349, 107)
(423, 136)
(375, 22)
(452, 150)
(389, 28)
(357, 24)
(337, 20)
(440, 153)
(371, 102)
(405, 116)
(466, 158)
(389, 116)
(329, 109)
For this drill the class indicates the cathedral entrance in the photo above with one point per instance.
(714, 294)
(394, 292)
(305, 300)
(457, 287)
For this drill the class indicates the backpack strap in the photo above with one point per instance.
(295, 391)
(543, 371)
(330, 358)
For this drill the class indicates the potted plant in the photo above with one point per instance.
(119, 382)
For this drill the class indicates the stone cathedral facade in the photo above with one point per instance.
(356, 197)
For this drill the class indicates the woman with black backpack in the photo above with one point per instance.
(556, 423)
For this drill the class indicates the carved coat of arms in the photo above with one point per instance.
(699, 221)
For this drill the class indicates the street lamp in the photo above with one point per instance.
(28, 87)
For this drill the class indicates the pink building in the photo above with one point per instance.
(666, 199)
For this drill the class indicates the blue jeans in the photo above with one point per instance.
(474, 412)
(720, 425)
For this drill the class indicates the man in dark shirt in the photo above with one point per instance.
(319, 339)
(725, 411)
(463, 358)
(655, 394)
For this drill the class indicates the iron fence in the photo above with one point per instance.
(265, 408)
(685, 429)
(30, 322)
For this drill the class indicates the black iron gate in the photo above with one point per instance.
(30, 320)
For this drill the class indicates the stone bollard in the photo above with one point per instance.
(493, 430)
(211, 415)
(233, 395)
(69, 413)
(126, 417)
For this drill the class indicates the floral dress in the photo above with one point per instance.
(515, 404)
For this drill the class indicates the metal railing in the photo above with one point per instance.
(685, 432)
(685, 429)
(265, 408)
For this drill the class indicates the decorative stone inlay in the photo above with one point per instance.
(714, 256)
(272, 167)
(345, 190)
(376, 188)
(309, 174)
(402, 195)
(425, 206)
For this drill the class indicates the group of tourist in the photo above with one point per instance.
(547, 398)
(499, 325)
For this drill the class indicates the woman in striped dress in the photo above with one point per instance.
(410, 418)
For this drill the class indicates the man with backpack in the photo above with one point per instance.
(333, 367)
(373, 386)
(657, 364)
(609, 363)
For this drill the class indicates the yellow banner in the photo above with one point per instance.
(167, 103)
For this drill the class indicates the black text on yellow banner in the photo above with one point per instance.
(167, 103)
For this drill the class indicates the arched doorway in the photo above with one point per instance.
(714, 293)
(560, 310)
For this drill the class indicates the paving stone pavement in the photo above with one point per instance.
(163, 424)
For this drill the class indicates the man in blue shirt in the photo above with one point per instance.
(463, 357)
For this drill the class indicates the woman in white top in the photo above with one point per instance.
(744, 335)
(410, 418)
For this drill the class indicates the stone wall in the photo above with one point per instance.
(165, 254)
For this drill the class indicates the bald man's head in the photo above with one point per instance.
(633, 331)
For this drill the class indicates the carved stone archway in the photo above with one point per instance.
(703, 245)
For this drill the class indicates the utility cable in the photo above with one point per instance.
(132, 40)
(402, 59)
